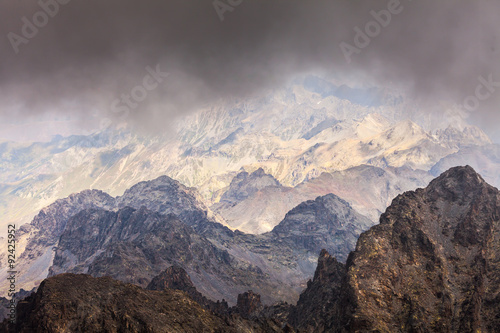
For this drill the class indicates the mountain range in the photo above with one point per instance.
(296, 134)
(159, 223)
(244, 195)
(430, 265)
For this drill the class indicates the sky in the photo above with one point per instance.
(148, 62)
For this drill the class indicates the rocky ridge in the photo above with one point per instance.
(81, 303)
(38, 239)
(319, 304)
(431, 265)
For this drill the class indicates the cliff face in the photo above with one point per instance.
(431, 265)
(81, 303)
(249, 304)
(319, 304)
(433, 262)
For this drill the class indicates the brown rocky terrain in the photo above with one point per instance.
(248, 305)
(81, 303)
(319, 304)
(431, 265)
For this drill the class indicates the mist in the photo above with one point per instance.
(83, 58)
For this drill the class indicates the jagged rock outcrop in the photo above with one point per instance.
(248, 304)
(174, 277)
(6, 304)
(81, 303)
(319, 304)
(431, 265)
(325, 223)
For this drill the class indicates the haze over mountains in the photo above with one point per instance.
(295, 134)
(307, 167)
(240, 196)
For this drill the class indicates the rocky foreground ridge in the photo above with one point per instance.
(81, 303)
(431, 265)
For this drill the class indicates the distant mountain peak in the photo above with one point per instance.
(462, 135)
(244, 185)
(259, 173)
(323, 223)
(161, 180)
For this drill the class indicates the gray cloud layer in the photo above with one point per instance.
(93, 51)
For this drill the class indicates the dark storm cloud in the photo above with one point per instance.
(92, 52)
